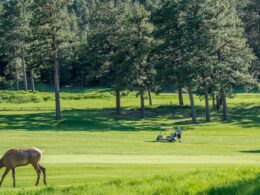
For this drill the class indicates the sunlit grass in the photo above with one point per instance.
(236, 180)
(104, 98)
(97, 152)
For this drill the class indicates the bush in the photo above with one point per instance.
(18, 97)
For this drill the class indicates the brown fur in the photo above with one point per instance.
(16, 157)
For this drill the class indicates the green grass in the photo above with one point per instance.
(104, 99)
(97, 152)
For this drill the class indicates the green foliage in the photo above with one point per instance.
(104, 51)
(233, 58)
(51, 25)
(3, 83)
(139, 41)
(21, 97)
(186, 34)
(18, 97)
(16, 36)
(202, 44)
(249, 12)
(138, 46)
(16, 26)
(204, 39)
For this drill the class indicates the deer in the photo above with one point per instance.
(17, 157)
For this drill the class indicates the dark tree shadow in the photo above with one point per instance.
(245, 116)
(91, 120)
(251, 151)
(129, 120)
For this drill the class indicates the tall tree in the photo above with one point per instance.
(233, 57)
(2, 63)
(222, 53)
(175, 35)
(105, 51)
(140, 41)
(250, 14)
(170, 69)
(16, 30)
(52, 30)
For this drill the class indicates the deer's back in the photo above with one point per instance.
(19, 157)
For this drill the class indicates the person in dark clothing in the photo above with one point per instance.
(179, 133)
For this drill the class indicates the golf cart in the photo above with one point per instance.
(168, 138)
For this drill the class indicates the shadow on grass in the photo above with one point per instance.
(251, 151)
(129, 120)
(245, 116)
(247, 187)
(91, 120)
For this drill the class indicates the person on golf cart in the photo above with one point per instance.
(178, 133)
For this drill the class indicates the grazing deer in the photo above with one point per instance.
(20, 157)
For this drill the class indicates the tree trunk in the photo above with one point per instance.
(17, 79)
(180, 96)
(24, 72)
(150, 97)
(118, 102)
(82, 80)
(213, 101)
(56, 77)
(219, 102)
(32, 80)
(193, 111)
(142, 104)
(225, 114)
(57, 90)
(206, 94)
(51, 77)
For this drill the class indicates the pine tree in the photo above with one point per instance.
(2, 63)
(51, 27)
(175, 31)
(139, 40)
(221, 51)
(105, 52)
(16, 29)
(250, 14)
(233, 57)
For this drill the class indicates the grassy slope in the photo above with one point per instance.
(92, 148)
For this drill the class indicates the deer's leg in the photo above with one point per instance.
(5, 173)
(38, 171)
(13, 174)
(44, 174)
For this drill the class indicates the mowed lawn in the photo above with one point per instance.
(97, 152)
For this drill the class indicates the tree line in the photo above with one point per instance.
(205, 47)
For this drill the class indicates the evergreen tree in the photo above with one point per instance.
(52, 30)
(106, 53)
(250, 14)
(175, 31)
(16, 29)
(232, 57)
(2, 61)
(221, 51)
(82, 9)
(193, 40)
(139, 41)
